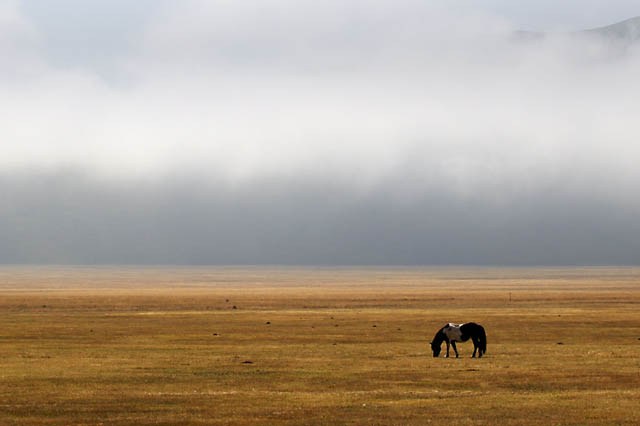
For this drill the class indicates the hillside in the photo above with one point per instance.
(625, 32)
(628, 30)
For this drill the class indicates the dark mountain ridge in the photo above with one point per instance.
(625, 32)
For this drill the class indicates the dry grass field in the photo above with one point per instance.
(316, 346)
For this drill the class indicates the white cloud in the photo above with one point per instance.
(361, 91)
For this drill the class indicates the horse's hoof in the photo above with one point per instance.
(457, 356)
(446, 356)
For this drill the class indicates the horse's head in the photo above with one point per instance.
(436, 350)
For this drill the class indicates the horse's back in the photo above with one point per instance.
(453, 332)
(471, 329)
(471, 326)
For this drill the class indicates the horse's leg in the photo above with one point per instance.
(454, 348)
(475, 348)
(447, 355)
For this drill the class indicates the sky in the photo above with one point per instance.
(344, 132)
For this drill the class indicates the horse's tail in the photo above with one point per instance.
(483, 339)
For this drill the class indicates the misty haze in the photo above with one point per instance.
(316, 133)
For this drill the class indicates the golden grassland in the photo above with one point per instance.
(124, 345)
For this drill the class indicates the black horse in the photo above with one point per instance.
(452, 333)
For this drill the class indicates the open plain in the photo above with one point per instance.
(127, 345)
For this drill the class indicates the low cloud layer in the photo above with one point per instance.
(69, 218)
(319, 133)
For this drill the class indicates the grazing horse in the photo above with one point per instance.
(452, 333)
